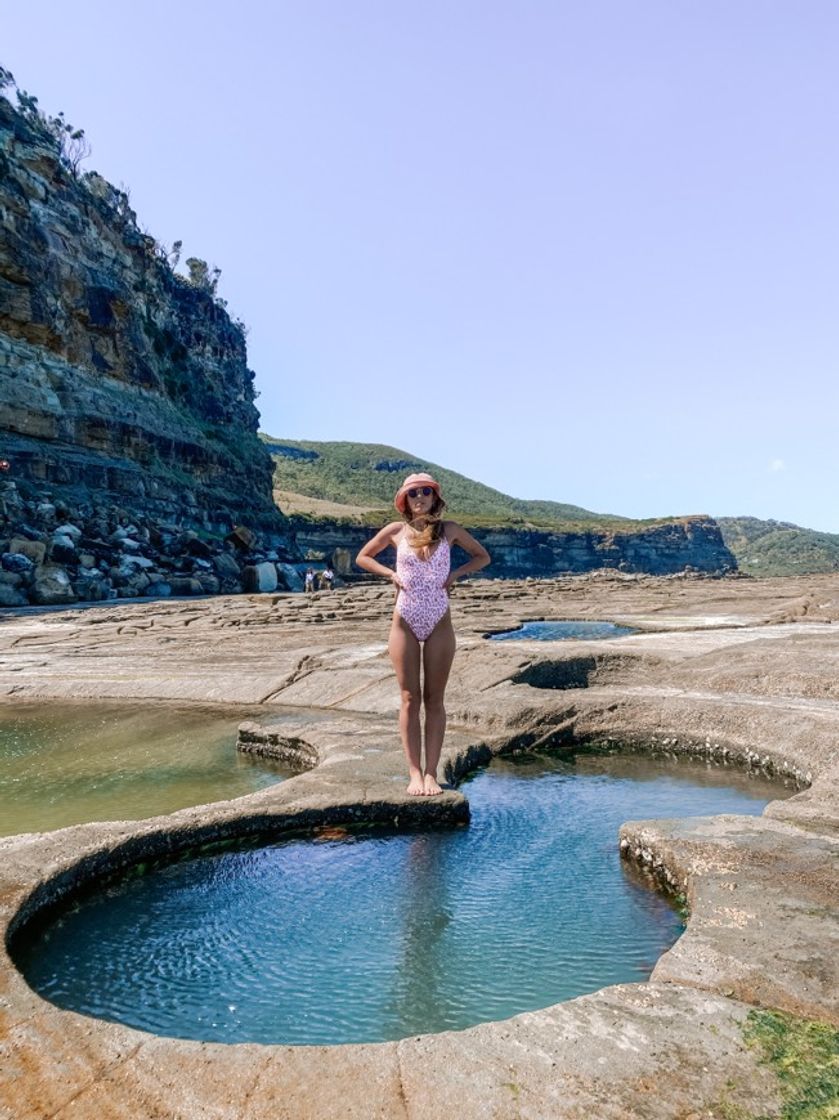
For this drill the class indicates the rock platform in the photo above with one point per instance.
(741, 672)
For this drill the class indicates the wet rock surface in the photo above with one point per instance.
(738, 671)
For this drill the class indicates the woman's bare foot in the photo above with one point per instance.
(431, 786)
(416, 786)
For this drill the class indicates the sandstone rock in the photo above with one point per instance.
(199, 548)
(342, 561)
(34, 550)
(260, 577)
(159, 590)
(242, 538)
(226, 566)
(209, 583)
(132, 562)
(62, 549)
(291, 577)
(185, 585)
(51, 585)
(16, 562)
(10, 597)
(68, 530)
(92, 588)
(126, 402)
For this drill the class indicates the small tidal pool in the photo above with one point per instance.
(375, 937)
(563, 631)
(63, 764)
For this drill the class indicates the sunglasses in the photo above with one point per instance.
(417, 490)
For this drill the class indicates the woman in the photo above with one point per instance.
(421, 633)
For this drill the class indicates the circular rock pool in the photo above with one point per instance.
(566, 630)
(375, 937)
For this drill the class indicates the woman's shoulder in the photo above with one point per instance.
(451, 530)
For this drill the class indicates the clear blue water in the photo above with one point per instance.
(369, 938)
(563, 631)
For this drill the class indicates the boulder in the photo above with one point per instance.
(291, 577)
(197, 547)
(137, 583)
(34, 550)
(226, 566)
(342, 561)
(185, 585)
(62, 549)
(159, 590)
(92, 588)
(209, 583)
(16, 562)
(260, 577)
(68, 530)
(132, 562)
(51, 586)
(241, 538)
(10, 597)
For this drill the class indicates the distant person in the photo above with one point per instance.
(309, 581)
(421, 633)
(327, 577)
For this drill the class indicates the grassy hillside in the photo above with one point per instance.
(366, 476)
(778, 548)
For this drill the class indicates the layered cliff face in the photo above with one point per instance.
(691, 543)
(127, 421)
(120, 382)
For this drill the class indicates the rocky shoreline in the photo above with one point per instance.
(732, 669)
(53, 554)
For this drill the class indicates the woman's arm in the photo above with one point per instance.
(479, 557)
(366, 558)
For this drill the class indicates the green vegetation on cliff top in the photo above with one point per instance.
(778, 548)
(368, 475)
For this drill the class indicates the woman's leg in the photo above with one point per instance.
(437, 657)
(404, 650)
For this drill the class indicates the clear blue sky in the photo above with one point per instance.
(579, 251)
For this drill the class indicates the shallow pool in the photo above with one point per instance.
(563, 631)
(369, 938)
(63, 764)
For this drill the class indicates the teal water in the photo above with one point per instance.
(63, 764)
(380, 937)
(563, 631)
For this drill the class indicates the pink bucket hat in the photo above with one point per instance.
(414, 480)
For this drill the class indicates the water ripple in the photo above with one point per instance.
(382, 937)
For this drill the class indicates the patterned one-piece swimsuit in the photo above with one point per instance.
(423, 600)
